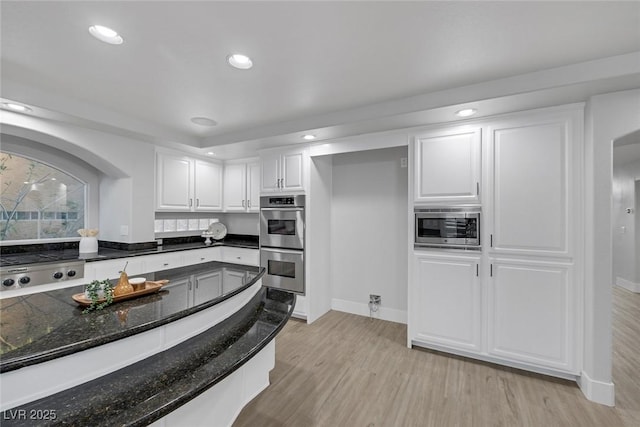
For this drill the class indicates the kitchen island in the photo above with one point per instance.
(208, 334)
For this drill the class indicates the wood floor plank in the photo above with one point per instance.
(348, 370)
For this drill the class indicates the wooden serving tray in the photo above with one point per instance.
(149, 288)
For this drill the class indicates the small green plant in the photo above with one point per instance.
(94, 293)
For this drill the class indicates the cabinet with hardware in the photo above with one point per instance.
(284, 171)
(447, 166)
(242, 186)
(445, 304)
(533, 173)
(532, 309)
(186, 184)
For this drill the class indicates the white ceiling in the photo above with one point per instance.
(319, 66)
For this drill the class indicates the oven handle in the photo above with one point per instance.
(282, 209)
(282, 251)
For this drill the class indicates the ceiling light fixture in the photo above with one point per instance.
(308, 137)
(17, 107)
(210, 153)
(240, 61)
(466, 112)
(105, 34)
(203, 121)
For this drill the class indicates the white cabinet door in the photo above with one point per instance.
(198, 256)
(208, 186)
(232, 280)
(532, 185)
(270, 172)
(173, 182)
(235, 187)
(445, 306)
(162, 262)
(447, 167)
(532, 312)
(110, 269)
(181, 298)
(253, 187)
(292, 171)
(207, 286)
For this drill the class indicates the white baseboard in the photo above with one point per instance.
(597, 391)
(628, 285)
(383, 313)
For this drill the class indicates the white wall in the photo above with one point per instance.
(368, 232)
(626, 257)
(608, 117)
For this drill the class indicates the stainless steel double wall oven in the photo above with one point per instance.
(282, 242)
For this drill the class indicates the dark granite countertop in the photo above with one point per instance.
(32, 254)
(147, 390)
(47, 325)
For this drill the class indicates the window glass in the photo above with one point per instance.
(38, 201)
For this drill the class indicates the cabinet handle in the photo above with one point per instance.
(190, 202)
(477, 188)
(477, 270)
(243, 204)
(189, 285)
(491, 270)
(165, 264)
(249, 203)
(196, 283)
(197, 203)
(491, 238)
(201, 259)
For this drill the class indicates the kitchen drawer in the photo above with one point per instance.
(197, 256)
(241, 255)
(162, 262)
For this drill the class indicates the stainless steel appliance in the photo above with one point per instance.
(447, 227)
(18, 275)
(282, 242)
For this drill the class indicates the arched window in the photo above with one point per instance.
(38, 201)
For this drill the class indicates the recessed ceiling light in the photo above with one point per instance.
(242, 62)
(466, 112)
(308, 137)
(203, 121)
(105, 34)
(17, 107)
(210, 153)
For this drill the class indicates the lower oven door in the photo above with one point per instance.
(284, 269)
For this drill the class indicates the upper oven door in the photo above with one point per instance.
(282, 227)
(447, 228)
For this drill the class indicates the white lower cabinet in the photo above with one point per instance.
(244, 256)
(207, 286)
(233, 279)
(445, 306)
(516, 312)
(532, 313)
(110, 269)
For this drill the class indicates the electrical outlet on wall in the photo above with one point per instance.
(403, 162)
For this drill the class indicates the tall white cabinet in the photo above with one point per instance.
(523, 308)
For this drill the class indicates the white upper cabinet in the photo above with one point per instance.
(173, 182)
(447, 166)
(242, 186)
(284, 171)
(208, 186)
(185, 184)
(235, 187)
(533, 185)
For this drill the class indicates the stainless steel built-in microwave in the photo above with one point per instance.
(447, 227)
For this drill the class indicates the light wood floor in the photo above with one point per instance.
(347, 370)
